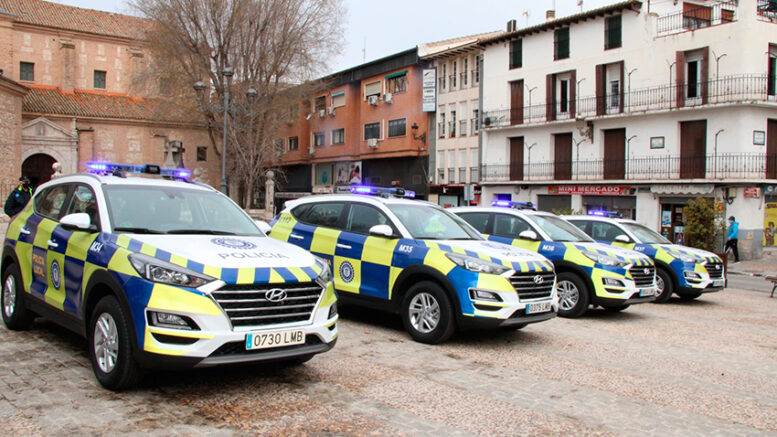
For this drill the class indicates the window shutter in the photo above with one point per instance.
(550, 97)
(705, 74)
(679, 68)
(573, 94)
(372, 88)
(601, 89)
(623, 86)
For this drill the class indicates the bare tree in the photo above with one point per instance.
(273, 46)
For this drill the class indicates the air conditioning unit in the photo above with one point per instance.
(372, 100)
(311, 150)
(331, 110)
(387, 97)
(373, 143)
(321, 113)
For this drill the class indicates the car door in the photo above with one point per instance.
(47, 263)
(606, 233)
(508, 227)
(317, 229)
(479, 220)
(362, 261)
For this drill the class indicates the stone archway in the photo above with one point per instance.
(38, 168)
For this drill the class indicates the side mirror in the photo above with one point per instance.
(76, 222)
(263, 226)
(528, 235)
(382, 231)
(622, 239)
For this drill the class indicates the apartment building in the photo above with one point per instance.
(637, 108)
(68, 95)
(366, 126)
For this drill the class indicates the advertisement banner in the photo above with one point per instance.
(429, 90)
(348, 173)
(603, 190)
(770, 222)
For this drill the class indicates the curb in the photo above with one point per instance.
(740, 273)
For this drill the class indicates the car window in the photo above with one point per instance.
(509, 226)
(605, 231)
(83, 201)
(559, 229)
(323, 214)
(49, 203)
(299, 211)
(433, 223)
(363, 217)
(478, 220)
(645, 234)
(583, 225)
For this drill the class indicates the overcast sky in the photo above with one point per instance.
(385, 27)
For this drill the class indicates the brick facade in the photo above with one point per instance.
(11, 95)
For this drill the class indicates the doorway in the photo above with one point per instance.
(37, 167)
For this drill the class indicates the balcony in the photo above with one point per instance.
(767, 9)
(646, 168)
(694, 17)
(729, 89)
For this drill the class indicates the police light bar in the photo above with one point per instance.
(382, 191)
(122, 169)
(512, 204)
(610, 214)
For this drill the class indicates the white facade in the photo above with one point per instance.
(629, 111)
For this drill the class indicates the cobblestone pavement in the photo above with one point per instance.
(684, 368)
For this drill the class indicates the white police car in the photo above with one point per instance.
(161, 273)
(415, 258)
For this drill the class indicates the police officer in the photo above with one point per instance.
(19, 197)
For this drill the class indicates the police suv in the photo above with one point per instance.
(683, 270)
(415, 258)
(161, 273)
(589, 273)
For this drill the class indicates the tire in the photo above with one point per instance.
(665, 286)
(616, 309)
(688, 295)
(110, 348)
(573, 295)
(15, 315)
(427, 313)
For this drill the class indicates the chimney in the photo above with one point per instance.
(550, 14)
(68, 49)
(512, 26)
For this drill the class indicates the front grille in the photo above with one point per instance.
(528, 286)
(239, 347)
(247, 305)
(644, 276)
(715, 270)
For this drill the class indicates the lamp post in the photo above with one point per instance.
(628, 153)
(715, 156)
(629, 87)
(530, 108)
(670, 83)
(577, 156)
(577, 96)
(529, 165)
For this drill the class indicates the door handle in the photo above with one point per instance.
(52, 244)
(343, 246)
(296, 237)
(25, 231)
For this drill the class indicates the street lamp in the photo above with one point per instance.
(629, 86)
(670, 82)
(715, 160)
(530, 108)
(577, 96)
(529, 165)
(628, 151)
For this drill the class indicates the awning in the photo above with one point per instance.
(401, 73)
(678, 189)
(339, 93)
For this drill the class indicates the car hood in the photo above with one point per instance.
(223, 251)
(631, 256)
(700, 253)
(498, 252)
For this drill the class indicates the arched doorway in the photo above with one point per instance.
(38, 168)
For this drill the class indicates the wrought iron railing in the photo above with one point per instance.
(640, 168)
(768, 9)
(727, 89)
(697, 17)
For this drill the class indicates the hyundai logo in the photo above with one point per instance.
(539, 279)
(647, 271)
(276, 295)
(717, 267)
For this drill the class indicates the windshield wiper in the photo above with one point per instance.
(200, 231)
(137, 230)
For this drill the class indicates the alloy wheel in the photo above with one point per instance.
(424, 312)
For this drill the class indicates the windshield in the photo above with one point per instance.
(143, 209)
(559, 229)
(430, 223)
(645, 235)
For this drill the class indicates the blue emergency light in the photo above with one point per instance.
(122, 169)
(513, 204)
(382, 191)
(600, 213)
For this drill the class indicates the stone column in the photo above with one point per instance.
(269, 196)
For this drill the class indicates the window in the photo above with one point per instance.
(440, 175)
(372, 89)
(338, 136)
(604, 231)
(320, 103)
(49, 203)
(443, 78)
(452, 127)
(441, 125)
(694, 76)
(27, 71)
(476, 71)
(563, 90)
(771, 75)
(338, 99)
(396, 128)
(99, 79)
(464, 71)
(202, 154)
(319, 139)
(615, 94)
(453, 76)
(475, 120)
(478, 220)
(516, 53)
(363, 217)
(396, 83)
(293, 143)
(509, 226)
(561, 43)
(83, 201)
(323, 214)
(372, 130)
(726, 15)
(612, 32)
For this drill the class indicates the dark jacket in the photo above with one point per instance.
(17, 200)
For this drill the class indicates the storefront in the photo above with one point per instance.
(617, 198)
(449, 196)
(673, 200)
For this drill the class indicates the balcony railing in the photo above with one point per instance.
(729, 89)
(473, 175)
(644, 168)
(697, 17)
(768, 9)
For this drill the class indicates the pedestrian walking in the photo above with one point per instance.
(731, 237)
(18, 198)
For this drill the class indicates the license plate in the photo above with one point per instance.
(718, 282)
(264, 340)
(647, 292)
(539, 307)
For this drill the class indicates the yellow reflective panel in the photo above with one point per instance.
(167, 297)
(324, 241)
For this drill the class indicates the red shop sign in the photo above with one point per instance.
(603, 190)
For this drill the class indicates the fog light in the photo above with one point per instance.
(613, 282)
(476, 294)
(173, 321)
(691, 275)
(332, 310)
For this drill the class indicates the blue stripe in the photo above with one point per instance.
(74, 271)
(310, 272)
(471, 253)
(163, 255)
(134, 245)
(195, 266)
(356, 241)
(229, 275)
(445, 248)
(262, 275)
(286, 274)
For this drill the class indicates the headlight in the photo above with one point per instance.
(605, 260)
(686, 258)
(156, 270)
(476, 264)
(326, 272)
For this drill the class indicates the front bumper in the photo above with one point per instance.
(624, 292)
(510, 311)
